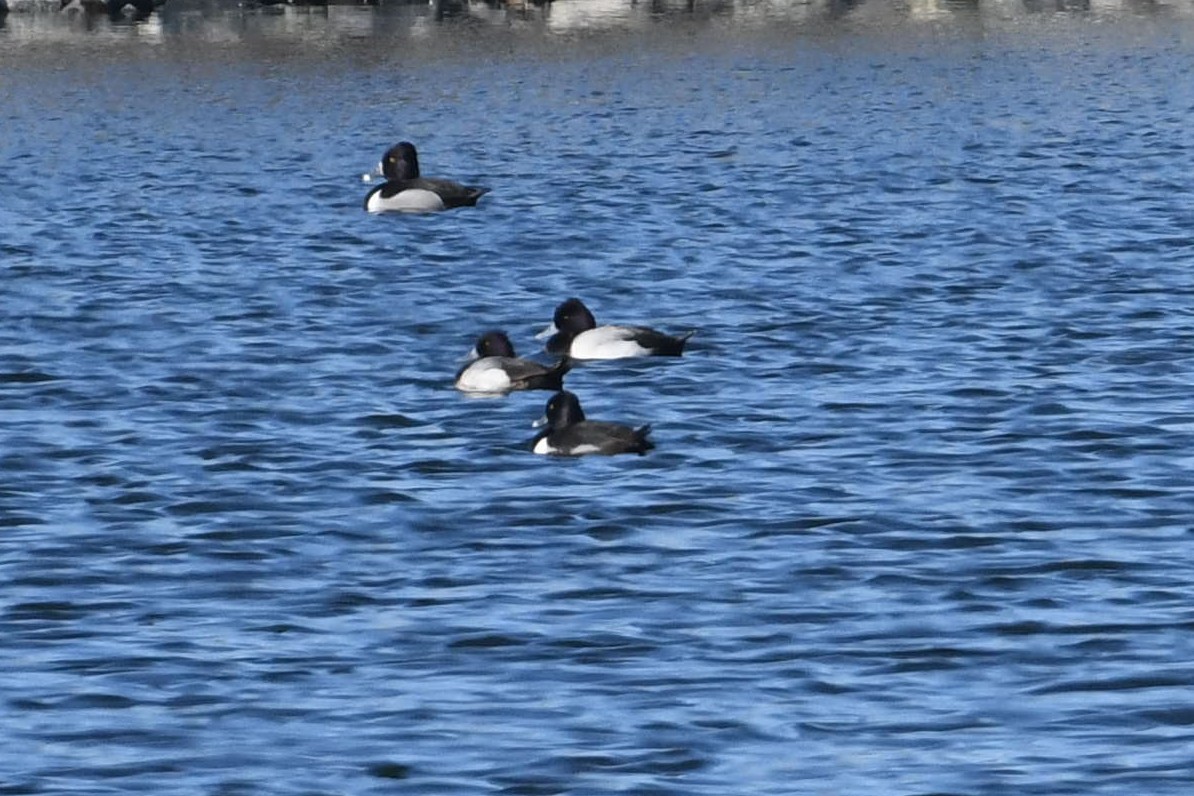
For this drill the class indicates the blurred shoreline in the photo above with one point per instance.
(33, 22)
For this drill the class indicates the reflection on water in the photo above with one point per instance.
(34, 21)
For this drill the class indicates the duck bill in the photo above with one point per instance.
(376, 174)
(548, 332)
(540, 423)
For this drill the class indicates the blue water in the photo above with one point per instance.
(921, 512)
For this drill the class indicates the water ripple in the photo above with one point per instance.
(918, 519)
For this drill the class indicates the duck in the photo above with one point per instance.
(568, 433)
(574, 331)
(404, 190)
(495, 368)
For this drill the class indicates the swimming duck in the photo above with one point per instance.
(568, 433)
(404, 190)
(575, 332)
(496, 369)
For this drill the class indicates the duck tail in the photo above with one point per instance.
(640, 437)
(676, 345)
(553, 379)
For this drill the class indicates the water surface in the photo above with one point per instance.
(920, 512)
